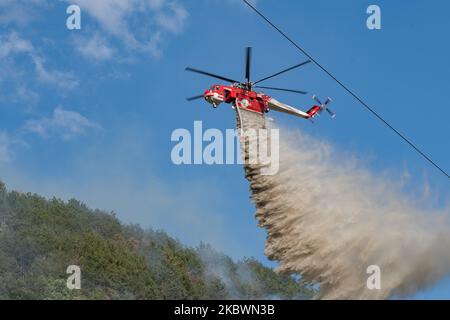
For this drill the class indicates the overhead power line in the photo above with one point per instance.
(349, 91)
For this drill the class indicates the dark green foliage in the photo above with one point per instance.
(40, 238)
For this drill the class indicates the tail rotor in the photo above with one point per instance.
(324, 106)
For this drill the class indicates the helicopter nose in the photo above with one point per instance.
(208, 95)
(213, 97)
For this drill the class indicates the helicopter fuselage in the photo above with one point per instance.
(250, 100)
(238, 96)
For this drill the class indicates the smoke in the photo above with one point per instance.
(328, 220)
(233, 276)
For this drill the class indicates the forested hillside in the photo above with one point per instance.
(40, 238)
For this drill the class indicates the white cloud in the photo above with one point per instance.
(111, 14)
(12, 45)
(63, 123)
(19, 12)
(95, 47)
(61, 79)
(173, 20)
(28, 96)
(118, 18)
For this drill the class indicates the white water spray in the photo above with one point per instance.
(328, 221)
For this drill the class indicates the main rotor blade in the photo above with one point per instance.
(281, 72)
(211, 75)
(194, 98)
(248, 63)
(281, 89)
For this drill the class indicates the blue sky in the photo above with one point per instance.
(89, 113)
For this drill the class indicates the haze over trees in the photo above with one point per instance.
(40, 238)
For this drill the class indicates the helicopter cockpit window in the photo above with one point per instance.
(217, 87)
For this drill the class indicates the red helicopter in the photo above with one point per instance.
(242, 95)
